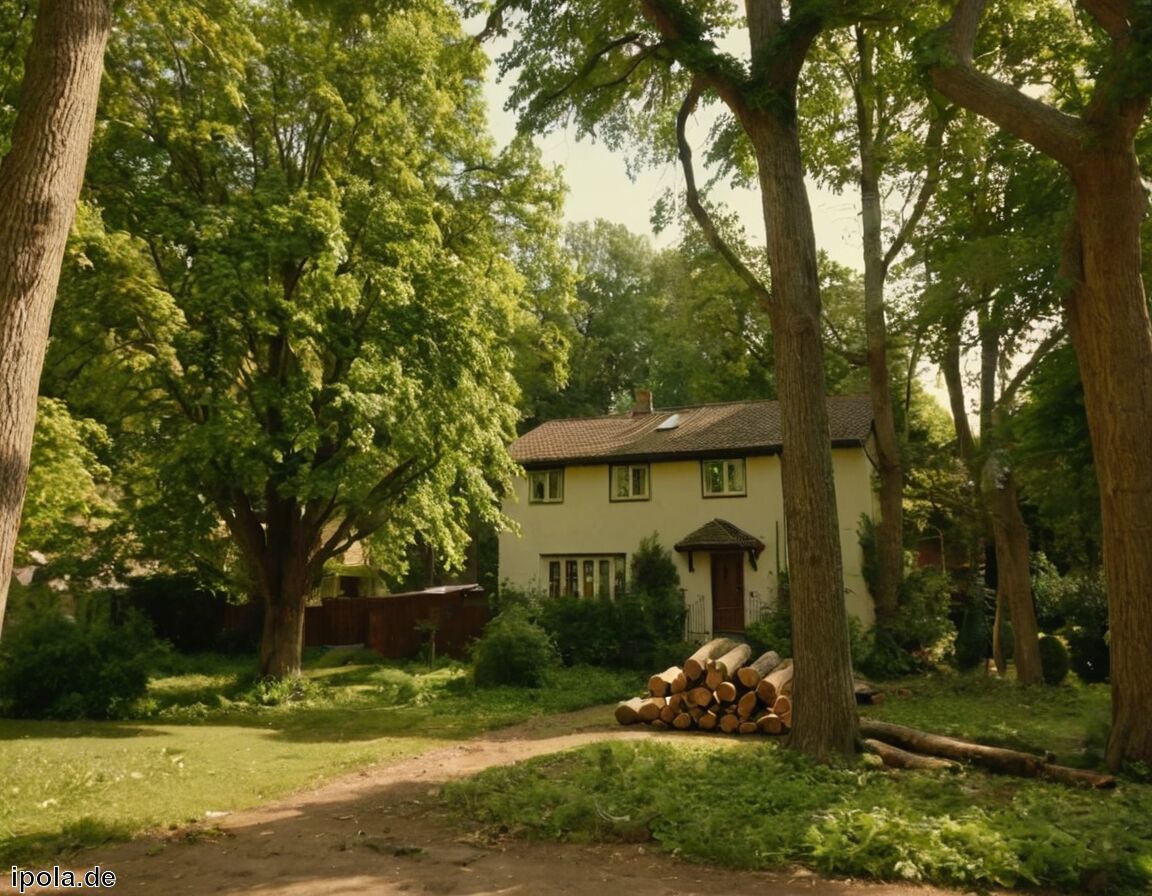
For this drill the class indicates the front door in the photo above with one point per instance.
(728, 592)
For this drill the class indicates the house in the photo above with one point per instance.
(706, 479)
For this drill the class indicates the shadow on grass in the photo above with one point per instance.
(84, 833)
(34, 729)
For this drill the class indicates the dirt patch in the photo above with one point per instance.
(379, 831)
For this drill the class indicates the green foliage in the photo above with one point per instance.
(656, 581)
(56, 667)
(1076, 607)
(773, 630)
(919, 632)
(974, 632)
(583, 629)
(513, 650)
(972, 829)
(180, 609)
(1054, 659)
(270, 691)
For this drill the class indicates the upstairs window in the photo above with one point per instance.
(724, 478)
(630, 482)
(545, 486)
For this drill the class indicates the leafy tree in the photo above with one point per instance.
(40, 178)
(635, 73)
(303, 264)
(1090, 130)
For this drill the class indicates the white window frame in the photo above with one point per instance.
(726, 464)
(632, 470)
(567, 574)
(552, 481)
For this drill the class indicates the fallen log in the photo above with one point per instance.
(722, 669)
(694, 666)
(651, 708)
(628, 711)
(747, 706)
(866, 694)
(997, 759)
(661, 685)
(730, 723)
(894, 757)
(700, 696)
(775, 683)
(748, 728)
(669, 712)
(708, 721)
(726, 692)
(749, 676)
(683, 722)
(770, 723)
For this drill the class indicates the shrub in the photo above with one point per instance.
(1053, 659)
(1076, 605)
(773, 630)
(974, 633)
(513, 650)
(54, 667)
(584, 630)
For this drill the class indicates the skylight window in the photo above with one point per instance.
(671, 423)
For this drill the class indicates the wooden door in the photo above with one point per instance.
(727, 592)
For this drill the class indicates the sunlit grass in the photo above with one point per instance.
(206, 746)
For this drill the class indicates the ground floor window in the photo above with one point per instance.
(598, 575)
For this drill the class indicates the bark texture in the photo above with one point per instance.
(40, 180)
(1107, 311)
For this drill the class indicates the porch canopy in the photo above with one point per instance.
(720, 535)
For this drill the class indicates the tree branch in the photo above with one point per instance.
(699, 212)
(1052, 132)
(933, 145)
(1049, 342)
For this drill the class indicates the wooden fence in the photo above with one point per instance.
(396, 625)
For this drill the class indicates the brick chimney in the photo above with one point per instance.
(643, 403)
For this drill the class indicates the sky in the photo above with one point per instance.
(599, 187)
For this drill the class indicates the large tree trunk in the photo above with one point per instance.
(1108, 320)
(825, 719)
(40, 180)
(1107, 316)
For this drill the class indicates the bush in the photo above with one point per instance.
(773, 630)
(513, 650)
(1076, 605)
(1053, 659)
(54, 667)
(974, 633)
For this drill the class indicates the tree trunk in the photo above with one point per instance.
(1108, 319)
(825, 721)
(40, 180)
(889, 470)
(1013, 575)
(282, 642)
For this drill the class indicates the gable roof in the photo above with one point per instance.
(710, 430)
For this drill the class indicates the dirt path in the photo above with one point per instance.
(378, 831)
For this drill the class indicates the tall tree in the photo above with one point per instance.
(1093, 138)
(659, 59)
(303, 259)
(869, 71)
(40, 178)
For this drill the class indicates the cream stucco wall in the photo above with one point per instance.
(587, 524)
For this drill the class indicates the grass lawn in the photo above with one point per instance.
(745, 803)
(209, 744)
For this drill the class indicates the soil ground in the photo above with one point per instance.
(379, 831)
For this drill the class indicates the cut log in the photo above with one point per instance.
(749, 676)
(729, 723)
(628, 711)
(998, 759)
(694, 666)
(677, 701)
(683, 722)
(661, 685)
(726, 692)
(867, 694)
(894, 757)
(699, 697)
(770, 723)
(679, 684)
(660, 725)
(782, 705)
(724, 667)
(708, 721)
(775, 683)
(747, 706)
(668, 713)
(650, 709)
(748, 728)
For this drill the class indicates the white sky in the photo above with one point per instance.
(599, 187)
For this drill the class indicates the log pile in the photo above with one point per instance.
(722, 688)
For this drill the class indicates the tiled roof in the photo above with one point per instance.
(738, 427)
(719, 534)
